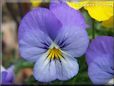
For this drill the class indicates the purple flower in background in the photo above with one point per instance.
(7, 75)
(100, 59)
(52, 38)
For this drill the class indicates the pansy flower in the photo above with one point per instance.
(100, 59)
(52, 38)
(7, 75)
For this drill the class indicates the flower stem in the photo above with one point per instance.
(93, 28)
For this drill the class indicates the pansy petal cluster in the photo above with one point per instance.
(100, 59)
(52, 38)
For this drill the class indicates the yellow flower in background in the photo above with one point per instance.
(109, 23)
(99, 10)
(77, 5)
(35, 3)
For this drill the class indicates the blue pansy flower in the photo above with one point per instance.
(100, 59)
(52, 38)
(7, 75)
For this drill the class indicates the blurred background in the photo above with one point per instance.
(12, 13)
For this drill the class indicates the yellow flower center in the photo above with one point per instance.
(54, 53)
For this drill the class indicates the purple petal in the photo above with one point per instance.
(10, 74)
(36, 32)
(33, 45)
(101, 71)
(4, 74)
(100, 59)
(100, 46)
(54, 3)
(41, 19)
(73, 40)
(68, 16)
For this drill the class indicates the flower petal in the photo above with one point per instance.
(36, 31)
(68, 16)
(77, 5)
(100, 59)
(101, 45)
(109, 23)
(54, 3)
(46, 70)
(66, 68)
(32, 47)
(111, 82)
(101, 10)
(4, 75)
(2, 68)
(42, 19)
(73, 40)
(36, 3)
(101, 70)
(10, 74)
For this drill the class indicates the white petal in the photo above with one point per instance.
(44, 70)
(67, 68)
(2, 68)
(63, 69)
(111, 82)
